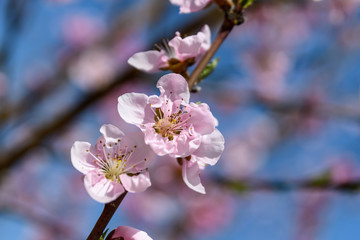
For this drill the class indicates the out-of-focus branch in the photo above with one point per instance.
(104, 219)
(321, 184)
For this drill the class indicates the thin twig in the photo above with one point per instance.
(225, 29)
(104, 219)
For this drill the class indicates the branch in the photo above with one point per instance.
(225, 30)
(104, 219)
(232, 16)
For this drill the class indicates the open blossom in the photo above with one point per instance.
(176, 127)
(127, 233)
(188, 6)
(175, 55)
(116, 163)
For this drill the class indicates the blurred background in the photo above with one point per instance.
(285, 92)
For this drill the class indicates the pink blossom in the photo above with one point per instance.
(128, 233)
(176, 127)
(209, 214)
(188, 6)
(175, 55)
(116, 163)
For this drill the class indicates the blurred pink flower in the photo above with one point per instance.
(343, 170)
(94, 69)
(340, 10)
(140, 208)
(128, 233)
(209, 214)
(173, 54)
(188, 6)
(117, 162)
(247, 152)
(269, 69)
(82, 29)
(175, 127)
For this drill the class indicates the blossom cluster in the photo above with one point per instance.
(170, 126)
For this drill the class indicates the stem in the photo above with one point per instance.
(104, 219)
(225, 29)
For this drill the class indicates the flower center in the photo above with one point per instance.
(172, 124)
(114, 161)
(113, 170)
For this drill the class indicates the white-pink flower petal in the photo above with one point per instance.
(111, 133)
(186, 145)
(81, 158)
(174, 87)
(191, 177)
(211, 148)
(202, 119)
(132, 108)
(149, 61)
(137, 183)
(101, 189)
(205, 35)
(188, 6)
